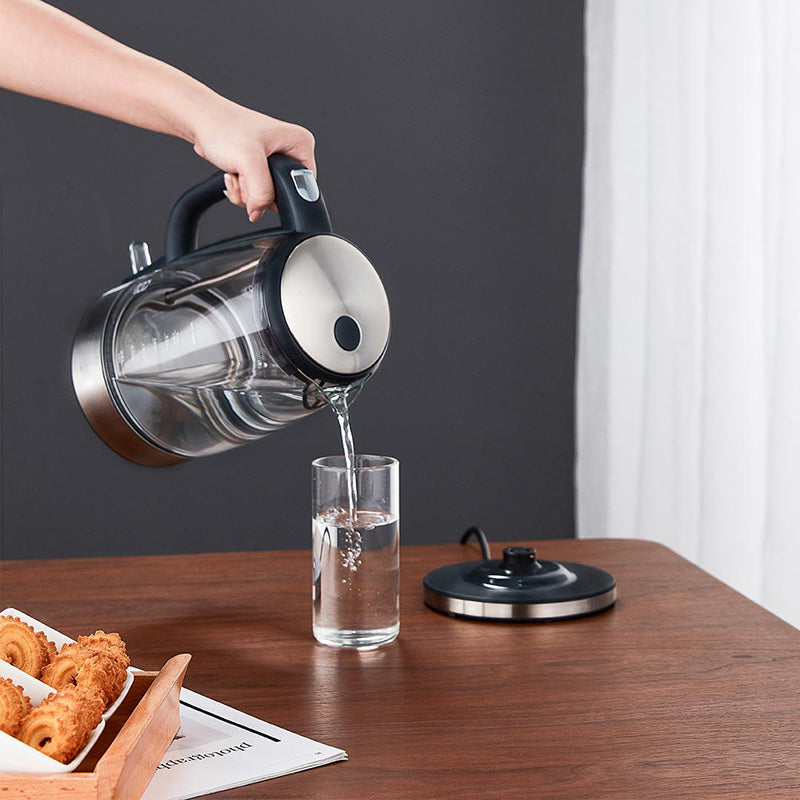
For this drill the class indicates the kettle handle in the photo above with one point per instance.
(300, 205)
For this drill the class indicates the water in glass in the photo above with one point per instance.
(356, 575)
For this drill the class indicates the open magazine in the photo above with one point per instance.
(218, 747)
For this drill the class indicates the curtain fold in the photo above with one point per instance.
(688, 374)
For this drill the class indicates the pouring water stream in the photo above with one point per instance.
(338, 400)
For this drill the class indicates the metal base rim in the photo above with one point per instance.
(519, 612)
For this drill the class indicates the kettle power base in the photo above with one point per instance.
(519, 588)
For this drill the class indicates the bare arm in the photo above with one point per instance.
(48, 54)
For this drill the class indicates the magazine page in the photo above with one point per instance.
(218, 747)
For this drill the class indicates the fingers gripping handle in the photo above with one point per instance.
(300, 205)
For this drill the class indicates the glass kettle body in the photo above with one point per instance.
(210, 348)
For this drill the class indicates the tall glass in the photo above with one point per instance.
(356, 566)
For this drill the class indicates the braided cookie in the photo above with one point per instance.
(104, 674)
(86, 701)
(109, 643)
(14, 706)
(23, 647)
(77, 665)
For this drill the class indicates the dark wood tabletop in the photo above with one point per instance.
(685, 689)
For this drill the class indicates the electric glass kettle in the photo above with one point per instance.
(207, 349)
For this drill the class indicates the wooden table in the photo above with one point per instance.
(684, 690)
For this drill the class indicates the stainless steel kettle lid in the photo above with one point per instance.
(334, 306)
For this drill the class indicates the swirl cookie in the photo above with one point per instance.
(14, 706)
(23, 647)
(63, 722)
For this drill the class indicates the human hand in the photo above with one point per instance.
(239, 140)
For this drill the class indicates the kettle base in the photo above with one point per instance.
(518, 612)
(517, 588)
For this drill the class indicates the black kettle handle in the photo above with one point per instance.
(300, 205)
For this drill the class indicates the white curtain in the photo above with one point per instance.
(688, 388)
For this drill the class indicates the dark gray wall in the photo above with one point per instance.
(449, 147)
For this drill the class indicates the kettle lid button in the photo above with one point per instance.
(306, 184)
(347, 333)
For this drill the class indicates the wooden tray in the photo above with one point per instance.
(126, 755)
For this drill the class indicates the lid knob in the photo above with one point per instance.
(519, 560)
(347, 333)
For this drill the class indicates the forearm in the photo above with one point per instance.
(48, 54)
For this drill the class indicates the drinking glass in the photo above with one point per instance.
(356, 557)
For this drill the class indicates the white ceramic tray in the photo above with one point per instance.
(18, 757)
(59, 640)
(15, 756)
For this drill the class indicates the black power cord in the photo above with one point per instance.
(482, 540)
